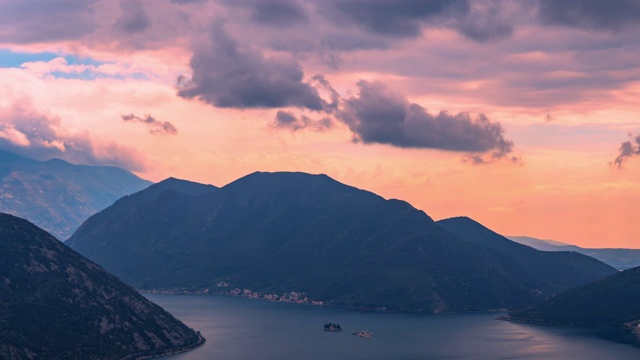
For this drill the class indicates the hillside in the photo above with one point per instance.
(620, 259)
(274, 233)
(555, 271)
(610, 303)
(55, 304)
(59, 196)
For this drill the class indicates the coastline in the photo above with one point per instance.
(328, 304)
(549, 323)
(168, 352)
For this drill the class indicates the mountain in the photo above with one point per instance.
(275, 233)
(554, 271)
(544, 245)
(56, 304)
(59, 196)
(609, 303)
(620, 259)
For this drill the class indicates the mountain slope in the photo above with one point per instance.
(282, 232)
(620, 259)
(611, 303)
(55, 304)
(59, 196)
(556, 271)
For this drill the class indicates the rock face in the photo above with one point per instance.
(295, 232)
(56, 304)
(58, 196)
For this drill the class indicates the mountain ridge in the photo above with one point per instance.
(608, 303)
(56, 304)
(59, 196)
(285, 232)
(620, 258)
(556, 270)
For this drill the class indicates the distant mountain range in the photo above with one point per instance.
(608, 303)
(620, 259)
(59, 196)
(56, 304)
(275, 233)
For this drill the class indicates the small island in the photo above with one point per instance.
(332, 327)
(363, 333)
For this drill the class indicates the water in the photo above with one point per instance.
(238, 328)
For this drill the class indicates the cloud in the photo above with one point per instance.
(287, 120)
(401, 19)
(32, 21)
(628, 149)
(612, 15)
(188, 1)
(35, 135)
(477, 20)
(486, 21)
(275, 13)
(157, 127)
(379, 115)
(228, 76)
(133, 19)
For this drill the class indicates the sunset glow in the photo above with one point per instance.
(523, 115)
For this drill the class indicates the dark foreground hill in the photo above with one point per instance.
(620, 259)
(554, 271)
(609, 303)
(55, 304)
(58, 196)
(273, 233)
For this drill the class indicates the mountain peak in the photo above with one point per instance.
(57, 195)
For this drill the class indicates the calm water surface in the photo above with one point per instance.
(238, 328)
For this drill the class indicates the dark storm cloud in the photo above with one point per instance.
(396, 18)
(287, 120)
(41, 140)
(485, 23)
(133, 19)
(379, 115)
(228, 76)
(480, 21)
(157, 127)
(613, 15)
(628, 149)
(276, 13)
(188, 1)
(29, 21)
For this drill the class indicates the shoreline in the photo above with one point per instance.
(548, 323)
(169, 352)
(329, 305)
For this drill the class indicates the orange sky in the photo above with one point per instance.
(559, 95)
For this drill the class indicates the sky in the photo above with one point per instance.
(523, 115)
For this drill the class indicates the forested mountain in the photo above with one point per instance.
(284, 232)
(555, 271)
(610, 303)
(56, 304)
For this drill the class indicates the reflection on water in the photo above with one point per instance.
(251, 329)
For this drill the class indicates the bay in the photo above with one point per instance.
(237, 328)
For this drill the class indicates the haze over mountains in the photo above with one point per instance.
(620, 259)
(59, 196)
(56, 304)
(283, 232)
